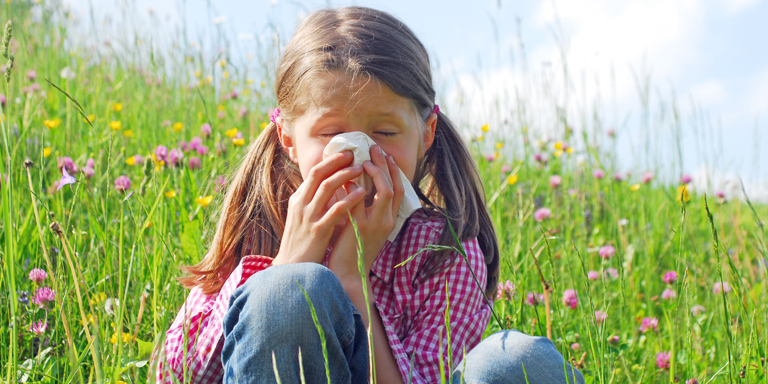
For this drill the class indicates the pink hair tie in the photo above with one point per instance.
(436, 109)
(274, 115)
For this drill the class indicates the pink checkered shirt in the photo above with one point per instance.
(412, 309)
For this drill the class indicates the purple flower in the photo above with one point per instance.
(66, 162)
(598, 174)
(647, 177)
(686, 179)
(38, 328)
(31, 75)
(219, 183)
(202, 150)
(274, 115)
(600, 317)
(618, 177)
(37, 275)
(692, 381)
(194, 162)
(720, 195)
(662, 360)
(122, 184)
(175, 156)
(195, 143)
(243, 112)
(161, 153)
(575, 346)
(570, 298)
(139, 159)
(90, 163)
(88, 170)
(205, 130)
(183, 145)
(698, 310)
(234, 95)
(542, 214)
(43, 296)
(2, 100)
(593, 275)
(611, 273)
(506, 168)
(555, 181)
(606, 251)
(668, 293)
(721, 287)
(221, 115)
(614, 340)
(538, 157)
(490, 158)
(533, 299)
(65, 179)
(670, 277)
(649, 323)
(505, 290)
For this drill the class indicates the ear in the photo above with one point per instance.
(429, 132)
(286, 141)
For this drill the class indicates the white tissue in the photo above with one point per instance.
(359, 143)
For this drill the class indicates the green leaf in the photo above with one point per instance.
(191, 239)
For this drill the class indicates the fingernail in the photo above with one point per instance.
(360, 190)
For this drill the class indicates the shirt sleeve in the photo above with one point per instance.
(426, 344)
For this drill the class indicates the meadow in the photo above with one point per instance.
(112, 171)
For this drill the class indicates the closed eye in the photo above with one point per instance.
(387, 133)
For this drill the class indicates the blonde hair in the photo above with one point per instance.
(355, 41)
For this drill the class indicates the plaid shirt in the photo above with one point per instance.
(412, 309)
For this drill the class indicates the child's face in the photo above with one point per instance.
(372, 108)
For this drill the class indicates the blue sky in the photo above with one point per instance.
(711, 53)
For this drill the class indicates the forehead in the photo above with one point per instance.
(338, 93)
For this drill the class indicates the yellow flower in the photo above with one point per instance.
(90, 117)
(128, 133)
(231, 132)
(148, 224)
(569, 150)
(558, 153)
(98, 298)
(116, 125)
(198, 73)
(170, 194)
(53, 123)
(46, 151)
(131, 160)
(126, 338)
(485, 128)
(222, 107)
(223, 63)
(496, 155)
(208, 79)
(262, 84)
(89, 318)
(178, 126)
(239, 142)
(512, 179)
(249, 81)
(117, 107)
(204, 201)
(559, 145)
(225, 74)
(499, 145)
(634, 187)
(480, 138)
(682, 193)
(263, 125)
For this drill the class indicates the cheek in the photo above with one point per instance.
(308, 158)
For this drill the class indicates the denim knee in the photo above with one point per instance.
(514, 357)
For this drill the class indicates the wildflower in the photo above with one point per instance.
(202, 150)
(89, 170)
(505, 290)
(692, 381)
(90, 118)
(670, 277)
(161, 153)
(198, 73)
(138, 159)
(485, 128)
(165, 123)
(647, 177)
(122, 184)
(23, 297)
(66, 162)
(231, 132)
(611, 132)
(600, 317)
(195, 143)
(170, 194)
(512, 179)
(117, 107)
(506, 168)
(219, 183)
(89, 318)
(67, 74)
(98, 298)
(38, 328)
(662, 360)
(614, 340)
(125, 336)
(131, 160)
(534, 299)
(542, 214)
(204, 201)
(65, 179)
(611, 273)
(31, 75)
(570, 298)
(489, 158)
(572, 191)
(238, 142)
(618, 177)
(37, 275)
(634, 187)
(115, 125)
(668, 293)
(110, 304)
(606, 251)
(538, 157)
(175, 156)
(575, 346)
(558, 153)
(598, 174)
(2, 100)
(128, 133)
(178, 126)
(52, 123)
(555, 181)
(649, 323)
(698, 310)
(194, 162)
(682, 194)
(221, 115)
(686, 179)
(43, 296)
(46, 151)
(205, 130)
(721, 287)
(234, 95)
(593, 275)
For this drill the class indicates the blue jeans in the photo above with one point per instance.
(269, 324)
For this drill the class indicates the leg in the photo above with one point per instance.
(269, 313)
(513, 357)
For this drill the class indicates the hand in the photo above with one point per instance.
(374, 222)
(311, 218)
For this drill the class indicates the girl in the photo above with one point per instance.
(283, 231)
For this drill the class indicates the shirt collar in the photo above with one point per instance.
(384, 265)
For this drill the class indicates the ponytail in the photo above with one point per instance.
(454, 188)
(253, 214)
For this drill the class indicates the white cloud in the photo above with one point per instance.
(710, 92)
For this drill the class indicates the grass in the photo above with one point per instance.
(102, 247)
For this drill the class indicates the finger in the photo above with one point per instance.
(341, 208)
(329, 186)
(397, 185)
(379, 159)
(321, 171)
(384, 193)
